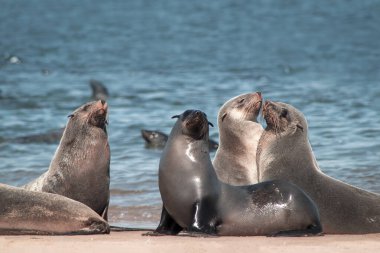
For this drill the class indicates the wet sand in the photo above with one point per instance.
(134, 242)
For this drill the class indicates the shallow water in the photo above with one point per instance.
(159, 58)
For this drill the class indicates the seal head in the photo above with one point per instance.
(239, 134)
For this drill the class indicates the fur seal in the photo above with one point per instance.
(239, 134)
(80, 167)
(28, 212)
(285, 153)
(157, 139)
(99, 91)
(196, 201)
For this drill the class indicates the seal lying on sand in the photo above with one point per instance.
(239, 134)
(157, 139)
(195, 200)
(80, 167)
(285, 153)
(27, 212)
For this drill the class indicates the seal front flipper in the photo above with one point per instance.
(167, 225)
(204, 221)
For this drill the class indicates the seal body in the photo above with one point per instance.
(80, 167)
(28, 212)
(285, 153)
(196, 201)
(239, 134)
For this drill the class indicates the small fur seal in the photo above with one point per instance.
(80, 167)
(27, 212)
(285, 153)
(239, 134)
(196, 201)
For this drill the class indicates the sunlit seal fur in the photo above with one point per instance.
(239, 134)
(28, 212)
(285, 153)
(80, 167)
(196, 201)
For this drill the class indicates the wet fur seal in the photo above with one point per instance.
(80, 167)
(285, 153)
(239, 134)
(195, 200)
(27, 212)
(157, 139)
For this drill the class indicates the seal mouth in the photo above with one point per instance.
(253, 107)
(100, 115)
(272, 117)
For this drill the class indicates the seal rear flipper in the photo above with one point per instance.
(167, 226)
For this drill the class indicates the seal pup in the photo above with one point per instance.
(196, 201)
(239, 134)
(157, 139)
(80, 167)
(285, 153)
(99, 91)
(28, 212)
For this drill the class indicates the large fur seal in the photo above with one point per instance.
(28, 212)
(285, 153)
(80, 167)
(239, 134)
(195, 200)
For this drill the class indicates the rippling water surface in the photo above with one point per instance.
(159, 58)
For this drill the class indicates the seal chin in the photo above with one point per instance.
(99, 117)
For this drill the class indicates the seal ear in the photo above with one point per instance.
(210, 124)
(70, 116)
(224, 115)
(175, 116)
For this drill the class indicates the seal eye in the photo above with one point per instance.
(284, 113)
(241, 100)
(70, 116)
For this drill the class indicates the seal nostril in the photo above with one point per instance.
(103, 101)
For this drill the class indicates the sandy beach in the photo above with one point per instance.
(135, 242)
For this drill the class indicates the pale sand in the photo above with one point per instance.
(125, 242)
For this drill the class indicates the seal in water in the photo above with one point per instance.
(157, 139)
(239, 134)
(27, 212)
(99, 91)
(285, 153)
(196, 201)
(80, 167)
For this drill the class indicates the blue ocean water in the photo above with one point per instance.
(159, 58)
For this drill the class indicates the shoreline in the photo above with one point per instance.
(134, 242)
